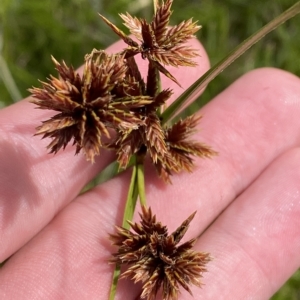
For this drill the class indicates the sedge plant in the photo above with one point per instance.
(110, 105)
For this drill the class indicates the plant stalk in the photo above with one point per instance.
(128, 215)
(194, 90)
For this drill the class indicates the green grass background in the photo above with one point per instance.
(32, 30)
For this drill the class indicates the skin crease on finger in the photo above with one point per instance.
(36, 184)
(250, 124)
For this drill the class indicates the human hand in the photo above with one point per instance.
(249, 195)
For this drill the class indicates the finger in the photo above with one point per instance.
(255, 242)
(69, 257)
(36, 184)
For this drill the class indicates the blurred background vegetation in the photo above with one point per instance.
(31, 31)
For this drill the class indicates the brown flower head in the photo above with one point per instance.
(180, 149)
(149, 135)
(160, 44)
(87, 104)
(170, 149)
(156, 259)
(112, 97)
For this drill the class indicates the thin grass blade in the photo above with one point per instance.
(194, 90)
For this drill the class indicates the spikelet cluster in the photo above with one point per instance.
(111, 106)
(156, 259)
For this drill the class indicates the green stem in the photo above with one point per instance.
(141, 183)
(131, 198)
(194, 90)
(113, 288)
(128, 215)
